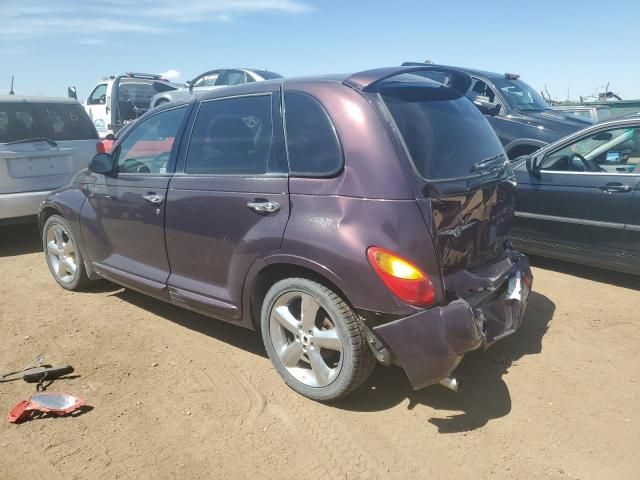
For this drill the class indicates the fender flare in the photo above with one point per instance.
(279, 258)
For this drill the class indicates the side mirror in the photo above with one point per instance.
(532, 166)
(72, 92)
(189, 84)
(488, 108)
(602, 136)
(101, 163)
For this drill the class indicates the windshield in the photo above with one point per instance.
(54, 121)
(445, 134)
(521, 96)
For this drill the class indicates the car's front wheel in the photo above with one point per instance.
(314, 339)
(63, 257)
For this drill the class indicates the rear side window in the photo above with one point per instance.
(232, 136)
(445, 134)
(312, 143)
(55, 121)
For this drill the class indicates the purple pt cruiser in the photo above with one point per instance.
(352, 220)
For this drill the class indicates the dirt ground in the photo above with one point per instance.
(179, 395)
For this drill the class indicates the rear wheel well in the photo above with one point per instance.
(520, 150)
(271, 274)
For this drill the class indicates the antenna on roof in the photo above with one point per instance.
(11, 92)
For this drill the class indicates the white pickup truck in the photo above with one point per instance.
(120, 99)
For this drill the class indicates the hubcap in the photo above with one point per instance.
(305, 339)
(61, 253)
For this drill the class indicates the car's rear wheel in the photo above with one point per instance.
(314, 339)
(63, 257)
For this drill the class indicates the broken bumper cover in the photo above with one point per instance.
(430, 344)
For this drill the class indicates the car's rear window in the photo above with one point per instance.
(445, 134)
(267, 75)
(55, 121)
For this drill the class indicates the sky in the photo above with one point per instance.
(572, 48)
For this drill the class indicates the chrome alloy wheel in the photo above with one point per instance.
(61, 253)
(305, 339)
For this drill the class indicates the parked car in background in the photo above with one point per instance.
(211, 80)
(592, 114)
(522, 119)
(43, 143)
(579, 198)
(367, 219)
(120, 99)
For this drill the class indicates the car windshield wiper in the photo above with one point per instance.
(37, 139)
(490, 163)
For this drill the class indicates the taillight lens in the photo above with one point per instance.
(404, 279)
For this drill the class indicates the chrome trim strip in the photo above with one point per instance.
(560, 172)
(575, 221)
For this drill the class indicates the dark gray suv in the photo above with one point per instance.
(349, 219)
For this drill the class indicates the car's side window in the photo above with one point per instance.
(611, 151)
(481, 89)
(232, 136)
(99, 95)
(206, 81)
(231, 77)
(312, 144)
(147, 147)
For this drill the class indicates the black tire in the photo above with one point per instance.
(79, 280)
(357, 360)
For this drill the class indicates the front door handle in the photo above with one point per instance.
(264, 206)
(153, 198)
(615, 187)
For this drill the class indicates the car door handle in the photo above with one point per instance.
(153, 198)
(615, 187)
(264, 206)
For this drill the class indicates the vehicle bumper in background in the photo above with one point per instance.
(430, 344)
(23, 204)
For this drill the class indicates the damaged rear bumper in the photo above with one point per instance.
(489, 307)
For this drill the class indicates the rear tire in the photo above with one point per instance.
(322, 355)
(62, 254)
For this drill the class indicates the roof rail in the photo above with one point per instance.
(152, 76)
(369, 80)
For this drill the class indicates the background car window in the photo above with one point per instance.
(99, 95)
(520, 95)
(206, 81)
(231, 77)
(134, 96)
(312, 144)
(232, 136)
(481, 89)
(612, 151)
(147, 149)
(55, 121)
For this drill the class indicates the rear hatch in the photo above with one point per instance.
(43, 144)
(463, 181)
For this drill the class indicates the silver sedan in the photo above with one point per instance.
(211, 80)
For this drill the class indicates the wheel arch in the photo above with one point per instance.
(267, 272)
(45, 213)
